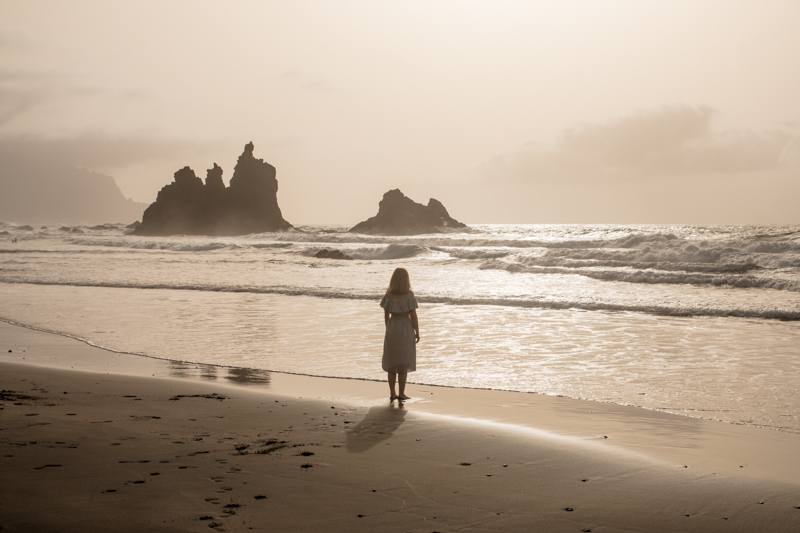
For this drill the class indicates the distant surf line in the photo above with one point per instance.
(769, 314)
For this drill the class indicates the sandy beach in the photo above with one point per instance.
(98, 441)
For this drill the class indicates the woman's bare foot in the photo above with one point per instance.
(403, 397)
(392, 398)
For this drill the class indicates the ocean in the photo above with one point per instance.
(701, 321)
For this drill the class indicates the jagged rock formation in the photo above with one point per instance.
(400, 215)
(189, 207)
(332, 254)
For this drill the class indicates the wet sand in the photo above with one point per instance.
(160, 446)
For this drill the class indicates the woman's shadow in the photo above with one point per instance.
(379, 424)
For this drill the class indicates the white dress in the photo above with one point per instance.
(399, 343)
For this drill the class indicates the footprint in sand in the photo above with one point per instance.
(230, 512)
(45, 466)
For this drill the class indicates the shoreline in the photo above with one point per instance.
(189, 450)
(716, 446)
(134, 369)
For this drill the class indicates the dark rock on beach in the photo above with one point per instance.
(400, 215)
(189, 207)
(67, 229)
(104, 227)
(332, 254)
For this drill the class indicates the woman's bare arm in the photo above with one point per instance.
(415, 323)
(386, 318)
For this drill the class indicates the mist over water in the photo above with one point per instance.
(685, 319)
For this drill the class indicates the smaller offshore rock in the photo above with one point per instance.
(400, 215)
(332, 254)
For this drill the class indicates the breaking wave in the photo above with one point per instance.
(649, 276)
(383, 253)
(174, 245)
(688, 311)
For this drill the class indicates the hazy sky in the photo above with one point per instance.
(528, 112)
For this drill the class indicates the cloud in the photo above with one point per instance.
(98, 150)
(23, 87)
(671, 141)
(305, 81)
(21, 91)
(15, 39)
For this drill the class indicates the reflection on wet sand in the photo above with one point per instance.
(241, 376)
(248, 376)
(380, 423)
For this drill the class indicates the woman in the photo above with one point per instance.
(402, 332)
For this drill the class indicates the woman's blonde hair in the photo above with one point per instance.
(400, 283)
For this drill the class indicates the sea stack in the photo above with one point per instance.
(188, 206)
(400, 215)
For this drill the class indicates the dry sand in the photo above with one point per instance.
(191, 448)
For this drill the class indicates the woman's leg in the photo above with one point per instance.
(402, 381)
(392, 376)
